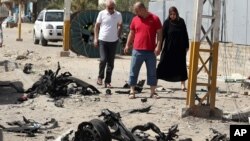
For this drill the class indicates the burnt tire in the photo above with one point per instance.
(102, 128)
(95, 130)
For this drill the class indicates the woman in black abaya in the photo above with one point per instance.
(172, 66)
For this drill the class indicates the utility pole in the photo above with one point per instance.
(66, 29)
(209, 64)
(164, 10)
(19, 21)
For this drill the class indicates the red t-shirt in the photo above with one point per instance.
(145, 32)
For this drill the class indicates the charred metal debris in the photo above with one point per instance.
(141, 110)
(27, 68)
(218, 136)
(30, 127)
(111, 127)
(60, 85)
(246, 83)
(138, 88)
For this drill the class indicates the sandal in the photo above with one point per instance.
(108, 85)
(184, 89)
(155, 96)
(99, 81)
(131, 96)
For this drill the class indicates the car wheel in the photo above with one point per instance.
(43, 41)
(35, 40)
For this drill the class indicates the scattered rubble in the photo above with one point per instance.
(141, 110)
(30, 127)
(100, 129)
(162, 89)
(24, 55)
(241, 115)
(65, 136)
(21, 57)
(217, 136)
(108, 92)
(143, 100)
(8, 66)
(59, 103)
(138, 88)
(246, 83)
(27, 68)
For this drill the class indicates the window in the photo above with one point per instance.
(54, 16)
(40, 16)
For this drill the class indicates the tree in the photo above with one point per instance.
(78, 5)
(127, 5)
(56, 4)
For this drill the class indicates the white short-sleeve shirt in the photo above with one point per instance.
(108, 28)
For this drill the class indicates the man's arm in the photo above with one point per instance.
(119, 27)
(96, 34)
(130, 40)
(158, 41)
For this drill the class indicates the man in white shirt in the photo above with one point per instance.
(107, 31)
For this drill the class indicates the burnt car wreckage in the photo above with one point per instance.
(111, 128)
(59, 85)
(65, 84)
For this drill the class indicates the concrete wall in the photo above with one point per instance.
(232, 59)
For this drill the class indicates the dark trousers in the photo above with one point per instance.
(107, 57)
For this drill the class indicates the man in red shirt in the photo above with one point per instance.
(144, 29)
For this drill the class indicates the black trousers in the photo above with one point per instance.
(107, 58)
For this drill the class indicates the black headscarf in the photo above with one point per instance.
(173, 9)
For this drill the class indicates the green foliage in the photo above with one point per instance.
(56, 4)
(127, 5)
(78, 5)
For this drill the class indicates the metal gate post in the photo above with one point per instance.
(19, 38)
(211, 35)
(66, 28)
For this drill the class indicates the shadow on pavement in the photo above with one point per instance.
(10, 92)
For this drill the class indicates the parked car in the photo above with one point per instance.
(48, 27)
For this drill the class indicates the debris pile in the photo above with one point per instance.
(111, 127)
(217, 136)
(240, 116)
(61, 85)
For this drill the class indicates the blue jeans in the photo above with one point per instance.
(138, 57)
